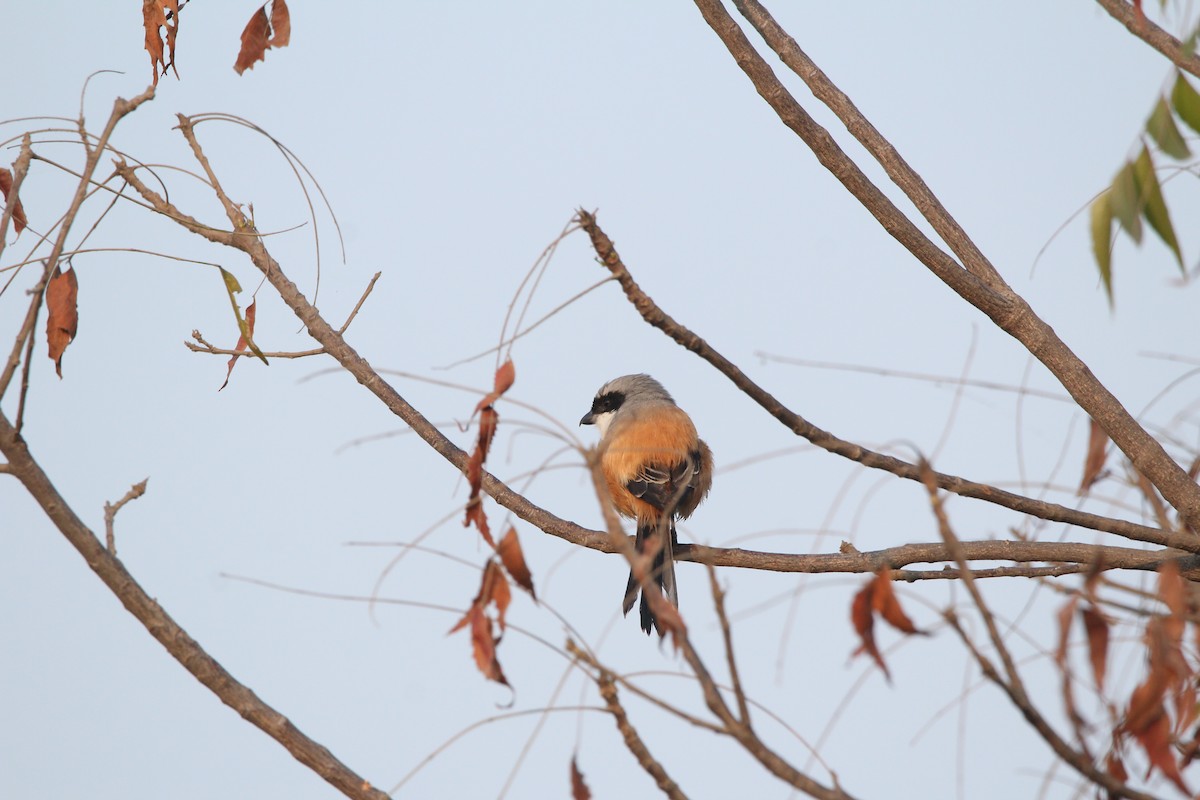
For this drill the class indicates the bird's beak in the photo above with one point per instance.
(588, 419)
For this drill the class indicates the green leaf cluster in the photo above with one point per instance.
(1135, 193)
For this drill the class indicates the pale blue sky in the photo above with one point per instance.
(454, 142)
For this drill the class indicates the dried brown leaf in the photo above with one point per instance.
(281, 24)
(154, 19)
(501, 383)
(262, 33)
(488, 420)
(256, 38)
(1066, 615)
(1093, 465)
(1155, 739)
(579, 789)
(1097, 627)
(251, 312)
(1115, 766)
(18, 212)
(62, 321)
(493, 590)
(1145, 706)
(884, 600)
(863, 618)
(514, 561)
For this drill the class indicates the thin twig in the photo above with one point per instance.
(186, 650)
(608, 690)
(658, 318)
(1011, 681)
(735, 679)
(110, 513)
(1141, 27)
(975, 280)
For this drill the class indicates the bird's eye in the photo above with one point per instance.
(609, 401)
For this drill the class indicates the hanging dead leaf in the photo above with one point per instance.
(281, 24)
(62, 321)
(154, 18)
(242, 340)
(493, 590)
(1115, 766)
(1066, 615)
(1155, 739)
(501, 383)
(1096, 625)
(884, 601)
(262, 33)
(878, 597)
(488, 420)
(1093, 465)
(863, 618)
(514, 561)
(579, 789)
(18, 211)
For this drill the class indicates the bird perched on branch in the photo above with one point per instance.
(657, 471)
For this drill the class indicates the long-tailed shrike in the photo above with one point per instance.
(656, 467)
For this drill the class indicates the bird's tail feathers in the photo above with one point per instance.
(662, 576)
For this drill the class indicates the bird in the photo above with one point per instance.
(657, 470)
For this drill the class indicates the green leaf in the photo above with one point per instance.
(1126, 203)
(1102, 219)
(1186, 101)
(1154, 207)
(1161, 127)
(233, 287)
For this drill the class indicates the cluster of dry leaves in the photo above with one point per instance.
(494, 591)
(1162, 709)
(262, 32)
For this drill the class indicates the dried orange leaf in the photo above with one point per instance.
(493, 589)
(255, 41)
(514, 561)
(863, 618)
(1096, 626)
(1116, 765)
(884, 601)
(18, 212)
(579, 789)
(488, 420)
(1093, 465)
(1066, 615)
(242, 341)
(1145, 706)
(62, 322)
(281, 23)
(262, 33)
(154, 18)
(1155, 739)
(501, 383)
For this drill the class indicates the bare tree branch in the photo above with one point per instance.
(981, 491)
(978, 283)
(182, 647)
(608, 690)
(110, 514)
(1011, 681)
(1151, 34)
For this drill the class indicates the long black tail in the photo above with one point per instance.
(662, 575)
